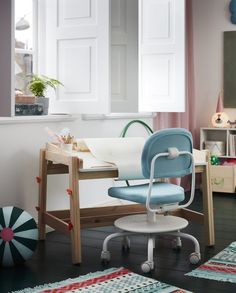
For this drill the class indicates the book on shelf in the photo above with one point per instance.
(25, 99)
(28, 109)
(232, 145)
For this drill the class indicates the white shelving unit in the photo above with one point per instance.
(222, 143)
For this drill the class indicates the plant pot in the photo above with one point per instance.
(45, 102)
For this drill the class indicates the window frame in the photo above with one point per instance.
(34, 51)
(7, 24)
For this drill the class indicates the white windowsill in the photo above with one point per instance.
(37, 119)
(72, 117)
(117, 116)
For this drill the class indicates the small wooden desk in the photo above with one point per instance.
(73, 220)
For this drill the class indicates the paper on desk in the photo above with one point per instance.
(90, 162)
(125, 153)
(122, 153)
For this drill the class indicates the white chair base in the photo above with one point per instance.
(140, 224)
(164, 225)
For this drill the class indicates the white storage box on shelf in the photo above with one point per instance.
(216, 148)
(221, 142)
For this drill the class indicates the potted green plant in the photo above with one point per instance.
(39, 85)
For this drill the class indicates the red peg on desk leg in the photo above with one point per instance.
(69, 191)
(38, 179)
(70, 226)
(37, 209)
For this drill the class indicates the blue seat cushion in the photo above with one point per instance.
(162, 193)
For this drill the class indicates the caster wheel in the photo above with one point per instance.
(105, 257)
(147, 266)
(104, 262)
(194, 258)
(125, 248)
(126, 245)
(176, 244)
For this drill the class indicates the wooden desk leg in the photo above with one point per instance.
(75, 210)
(208, 207)
(42, 194)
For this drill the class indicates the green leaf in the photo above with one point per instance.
(38, 85)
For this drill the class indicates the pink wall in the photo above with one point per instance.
(210, 19)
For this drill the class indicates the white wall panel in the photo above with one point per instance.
(157, 16)
(78, 54)
(119, 15)
(76, 12)
(162, 55)
(118, 72)
(157, 78)
(75, 58)
(89, 86)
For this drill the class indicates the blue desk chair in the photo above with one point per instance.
(166, 154)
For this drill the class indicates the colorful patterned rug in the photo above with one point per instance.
(221, 267)
(112, 280)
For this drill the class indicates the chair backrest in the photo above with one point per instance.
(159, 142)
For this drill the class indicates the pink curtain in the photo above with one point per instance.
(188, 118)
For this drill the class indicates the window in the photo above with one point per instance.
(75, 48)
(24, 43)
(82, 38)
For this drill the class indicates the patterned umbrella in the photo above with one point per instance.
(18, 236)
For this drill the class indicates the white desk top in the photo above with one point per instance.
(93, 164)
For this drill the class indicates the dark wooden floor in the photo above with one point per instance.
(52, 260)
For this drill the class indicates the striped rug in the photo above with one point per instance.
(115, 280)
(221, 267)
